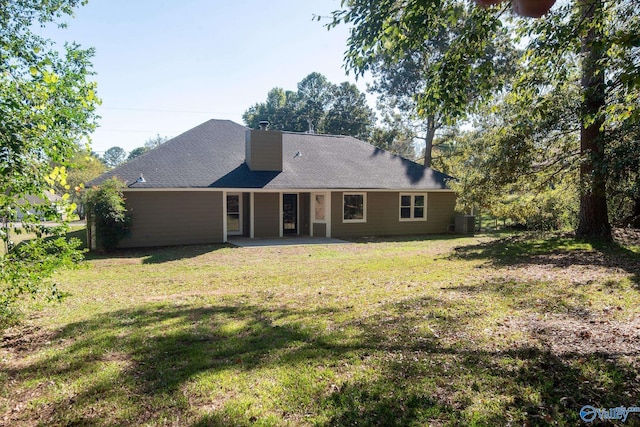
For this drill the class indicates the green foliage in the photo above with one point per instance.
(155, 141)
(451, 43)
(395, 137)
(137, 152)
(516, 169)
(593, 39)
(114, 157)
(83, 167)
(317, 105)
(47, 106)
(624, 176)
(27, 269)
(549, 210)
(107, 211)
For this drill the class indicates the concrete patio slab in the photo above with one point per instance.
(245, 242)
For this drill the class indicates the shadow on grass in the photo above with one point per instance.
(559, 251)
(409, 238)
(242, 364)
(159, 255)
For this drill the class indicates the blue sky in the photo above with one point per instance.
(164, 66)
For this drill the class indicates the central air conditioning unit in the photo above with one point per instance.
(465, 224)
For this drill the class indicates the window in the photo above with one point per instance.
(319, 207)
(233, 214)
(354, 207)
(412, 207)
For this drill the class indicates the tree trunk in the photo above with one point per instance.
(431, 133)
(593, 217)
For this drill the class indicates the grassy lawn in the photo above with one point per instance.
(486, 330)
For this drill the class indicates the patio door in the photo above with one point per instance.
(234, 214)
(290, 214)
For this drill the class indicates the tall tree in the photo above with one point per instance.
(581, 30)
(280, 110)
(594, 219)
(395, 136)
(47, 105)
(114, 156)
(138, 151)
(317, 106)
(149, 144)
(83, 166)
(348, 113)
(314, 97)
(155, 141)
(401, 78)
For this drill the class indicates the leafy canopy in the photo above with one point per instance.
(47, 107)
(317, 106)
(595, 39)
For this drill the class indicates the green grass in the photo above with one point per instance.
(487, 330)
(75, 231)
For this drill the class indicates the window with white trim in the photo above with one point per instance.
(354, 207)
(413, 207)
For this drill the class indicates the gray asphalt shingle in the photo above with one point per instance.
(212, 155)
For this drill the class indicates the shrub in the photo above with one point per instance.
(106, 210)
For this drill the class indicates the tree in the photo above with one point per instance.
(524, 172)
(137, 152)
(47, 105)
(400, 78)
(395, 137)
(106, 211)
(155, 141)
(149, 144)
(83, 166)
(314, 98)
(317, 106)
(349, 113)
(586, 31)
(114, 157)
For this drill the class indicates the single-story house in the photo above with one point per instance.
(221, 179)
(33, 203)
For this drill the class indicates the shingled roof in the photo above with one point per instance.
(212, 155)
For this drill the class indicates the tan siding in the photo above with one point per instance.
(267, 214)
(383, 210)
(263, 150)
(246, 214)
(304, 218)
(440, 211)
(319, 229)
(162, 218)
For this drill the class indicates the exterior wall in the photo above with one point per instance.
(319, 229)
(304, 218)
(246, 214)
(267, 214)
(162, 218)
(383, 212)
(263, 150)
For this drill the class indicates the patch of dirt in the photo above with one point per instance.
(575, 268)
(25, 339)
(626, 236)
(600, 335)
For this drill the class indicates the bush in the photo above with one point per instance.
(555, 209)
(28, 267)
(106, 210)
